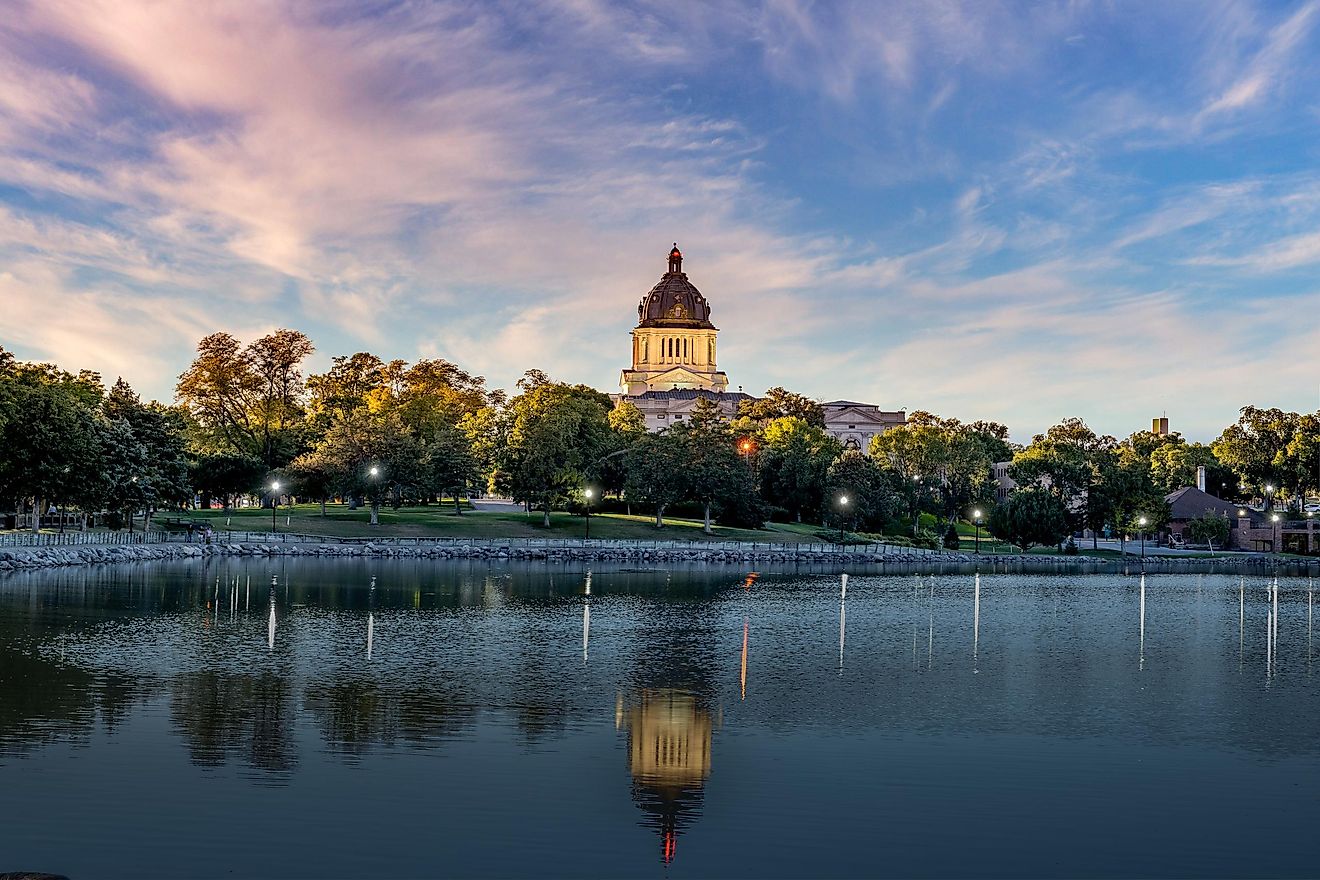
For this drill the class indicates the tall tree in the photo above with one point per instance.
(557, 436)
(656, 472)
(795, 460)
(1256, 450)
(1032, 515)
(248, 399)
(716, 476)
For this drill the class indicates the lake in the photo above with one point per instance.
(288, 718)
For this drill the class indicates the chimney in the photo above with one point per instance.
(1200, 477)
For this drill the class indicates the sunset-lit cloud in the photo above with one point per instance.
(990, 210)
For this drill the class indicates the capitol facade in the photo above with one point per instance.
(674, 365)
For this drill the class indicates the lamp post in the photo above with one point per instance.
(1269, 496)
(843, 506)
(587, 493)
(1275, 535)
(1142, 523)
(374, 473)
(274, 503)
(976, 515)
(745, 448)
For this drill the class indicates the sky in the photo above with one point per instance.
(1011, 211)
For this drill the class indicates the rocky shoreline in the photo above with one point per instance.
(29, 558)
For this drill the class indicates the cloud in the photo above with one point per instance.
(957, 206)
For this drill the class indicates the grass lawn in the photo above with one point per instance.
(441, 522)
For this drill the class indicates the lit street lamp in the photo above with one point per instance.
(1142, 523)
(274, 503)
(1276, 534)
(843, 506)
(976, 515)
(374, 473)
(587, 493)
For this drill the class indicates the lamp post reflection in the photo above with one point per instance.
(976, 621)
(1141, 650)
(270, 627)
(742, 675)
(586, 618)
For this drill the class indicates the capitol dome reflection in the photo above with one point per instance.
(669, 737)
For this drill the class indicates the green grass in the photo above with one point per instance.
(422, 522)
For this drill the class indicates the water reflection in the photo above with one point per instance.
(478, 687)
(669, 742)
(222, 716)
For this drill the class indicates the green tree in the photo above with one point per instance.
(1210, 529)
(225, 474)
(872, 501)
(656, 472)
(1173, 466)
(716, 476)
(557, 436)
(795, 461)
(780, 403)
(913, 455)
(1256, 450)
(1031, 516)
(49, 447)
(162, 479)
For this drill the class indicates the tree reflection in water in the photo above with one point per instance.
(356, 714)
(221, 716)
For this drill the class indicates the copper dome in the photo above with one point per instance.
(675, 301)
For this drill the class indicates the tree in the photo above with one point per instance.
(1210, 529)
(655, 473)
(224, 475)
(627, 430)
(370, 454)
(1032, 515)
(1071, 461)
(780, 403)
(248, 399)
(715, 474)
(556, 436)
(913, 455)
(872, 501)
(795, 461)
(447, 462)
(49, 448)
(162, 478)
(1256, 450)
(1174, 465)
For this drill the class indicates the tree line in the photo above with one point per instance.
(246, 419)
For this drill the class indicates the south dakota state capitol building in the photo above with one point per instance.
(674, 365)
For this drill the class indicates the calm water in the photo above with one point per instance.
(460, 719)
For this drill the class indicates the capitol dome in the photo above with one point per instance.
(675, 301)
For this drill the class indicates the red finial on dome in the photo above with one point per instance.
(675, 259)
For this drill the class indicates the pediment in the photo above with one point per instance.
(855, 414)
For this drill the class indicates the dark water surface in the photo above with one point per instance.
(462, 719)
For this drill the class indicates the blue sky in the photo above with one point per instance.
(1020, 212)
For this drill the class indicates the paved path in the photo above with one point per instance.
(496, 505)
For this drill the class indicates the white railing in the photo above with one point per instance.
(70, 539)
(568, 543)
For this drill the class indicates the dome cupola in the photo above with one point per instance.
(675, 301)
